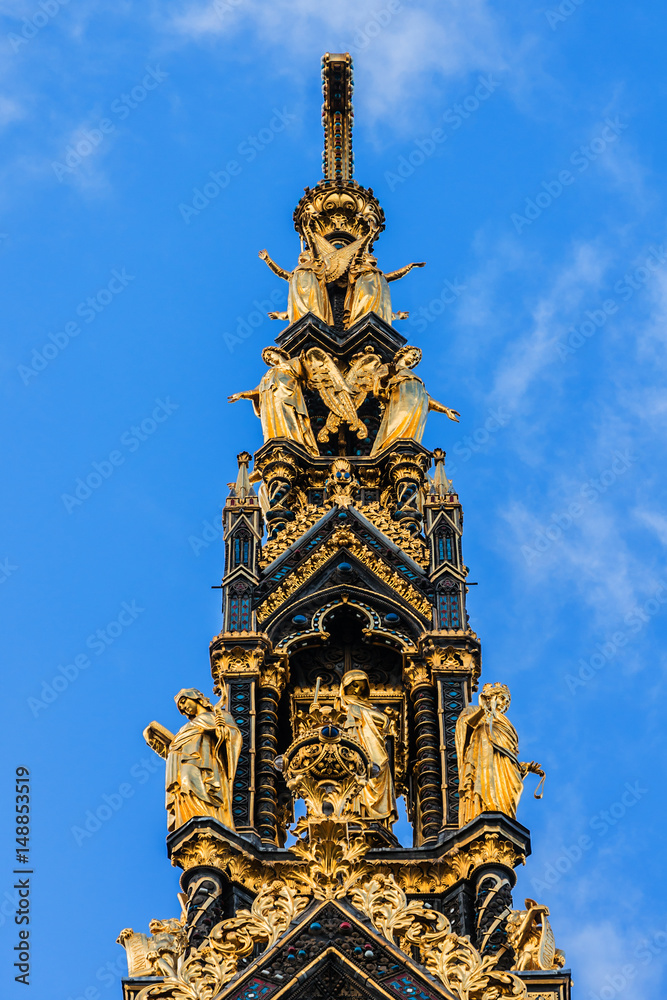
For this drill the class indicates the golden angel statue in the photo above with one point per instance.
(407, 403)
(490, 773)
(201, 759)
(278, 400)
(530, 936)
(370, 727)
(361, 376)
(325, 376)
(307, 287)
(368, 289)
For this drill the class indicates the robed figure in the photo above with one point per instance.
(201, 760)
(307, 287)
(406, 401)
(370, 727)
(368, 289)
(487, 745)
(279, 402)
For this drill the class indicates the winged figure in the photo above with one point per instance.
(336, 259)
(363, 373)
(325, 376)
(201, 759)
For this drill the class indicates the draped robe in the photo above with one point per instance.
(281, 407)
(368, 292)
(308, 293)
(368, 725)
(201, 764)
(405, 412)
(489, 774)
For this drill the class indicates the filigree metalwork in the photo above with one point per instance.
(333, 860)
(450, 958)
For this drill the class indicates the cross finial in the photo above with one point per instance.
(337, 116)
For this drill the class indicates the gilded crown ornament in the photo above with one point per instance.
(343, 679)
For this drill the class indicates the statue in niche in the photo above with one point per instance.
(370, 727)
(530, 936)
(368, 289)
(201, 759)
(490, 773)
(407, 403)
(307, 287)
(278, 400)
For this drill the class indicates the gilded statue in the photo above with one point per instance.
(307, 286)
(530, 936)
(370, 727)
(201, 759)
(490, 773)
(368, 289)
(278, 400)
(335, 391)
(406, 401)
(157, 953)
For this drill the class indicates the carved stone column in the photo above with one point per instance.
(271, 683)
(206, 889)
(493, 905)
(407, 476)
(279, 470)
(427, 744)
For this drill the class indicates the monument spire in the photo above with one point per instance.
(343, 679)
(337, 116)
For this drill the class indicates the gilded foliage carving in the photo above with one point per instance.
(447, 956)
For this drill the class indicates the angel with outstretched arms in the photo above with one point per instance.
(406, 402)
(279, 402)
(368, 289)
(307, 287)
(201, 759)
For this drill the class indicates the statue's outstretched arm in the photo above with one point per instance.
(251, 394)
(402, 271)
(433, 404)
(280, 271)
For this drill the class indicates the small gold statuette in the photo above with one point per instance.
(370, 727)
(307, 286)
(278, 400)
(406, 400)
(530, 936)
(490, 773)
(368, 289)
(201, 759)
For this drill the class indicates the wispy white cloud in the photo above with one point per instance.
(395, 43)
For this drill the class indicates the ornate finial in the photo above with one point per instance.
(442, 484)
(337, 116)
(243, 488)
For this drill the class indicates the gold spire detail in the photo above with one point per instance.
(337, 116)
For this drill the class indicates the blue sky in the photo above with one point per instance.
(519, 149)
